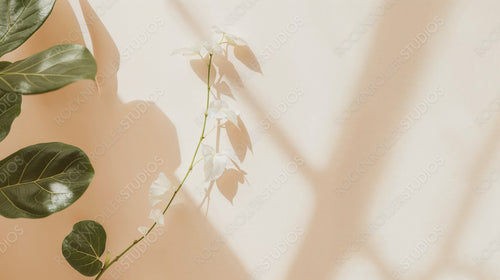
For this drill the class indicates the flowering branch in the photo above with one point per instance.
(85, 245)
(190, 169)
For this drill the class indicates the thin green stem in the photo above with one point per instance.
(211, 130)
(188, 172)
(198, 161)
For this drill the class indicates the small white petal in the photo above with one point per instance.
(230, 155)
(218, 50)
(207, 150)
(211, 113)
(213, 48)
(143, 230)
(231, 116)
(162, 181)
(160, 189)
(207, 168)
(220, 161)
(157, 216)
(155, 199)
(217, 163)
(230, 38)
(220, 110)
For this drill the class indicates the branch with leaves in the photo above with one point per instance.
(45, 178)
(85, 245)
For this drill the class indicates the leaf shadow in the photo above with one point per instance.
(126, 160)
(227, 70)
(229, 182)
(246, 56)
(199, 67)
(224, 77)
(239, 138)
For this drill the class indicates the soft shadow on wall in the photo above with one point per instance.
(129, 144)
(336, 233)
(339, 229)
(223, 71)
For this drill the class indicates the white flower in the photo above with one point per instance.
(216, 163)
(143, 230)
(212, 47)
(160, 190)
(193, 50)
(230, 38)
(157, 216)
(220, 110)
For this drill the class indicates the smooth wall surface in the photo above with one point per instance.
(367, 141)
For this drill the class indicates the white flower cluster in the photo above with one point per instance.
(217, 162)
(214, 46)
(219, 111)
(160, 190)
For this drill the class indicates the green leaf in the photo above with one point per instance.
(83, 247)
(49, 70)
(10, 108)
(4, 64)
(19, 19)
(43, 179)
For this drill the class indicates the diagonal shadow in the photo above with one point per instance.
(449, 260)
(337, 218)
(469, 200)
(129, 144)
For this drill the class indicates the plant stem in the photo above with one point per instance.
(202, 137)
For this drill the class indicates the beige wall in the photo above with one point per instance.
(369, 147)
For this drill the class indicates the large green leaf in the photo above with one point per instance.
(10, 108)
(19, 19)
(49, 70)
(83, 247)
(42, 179)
